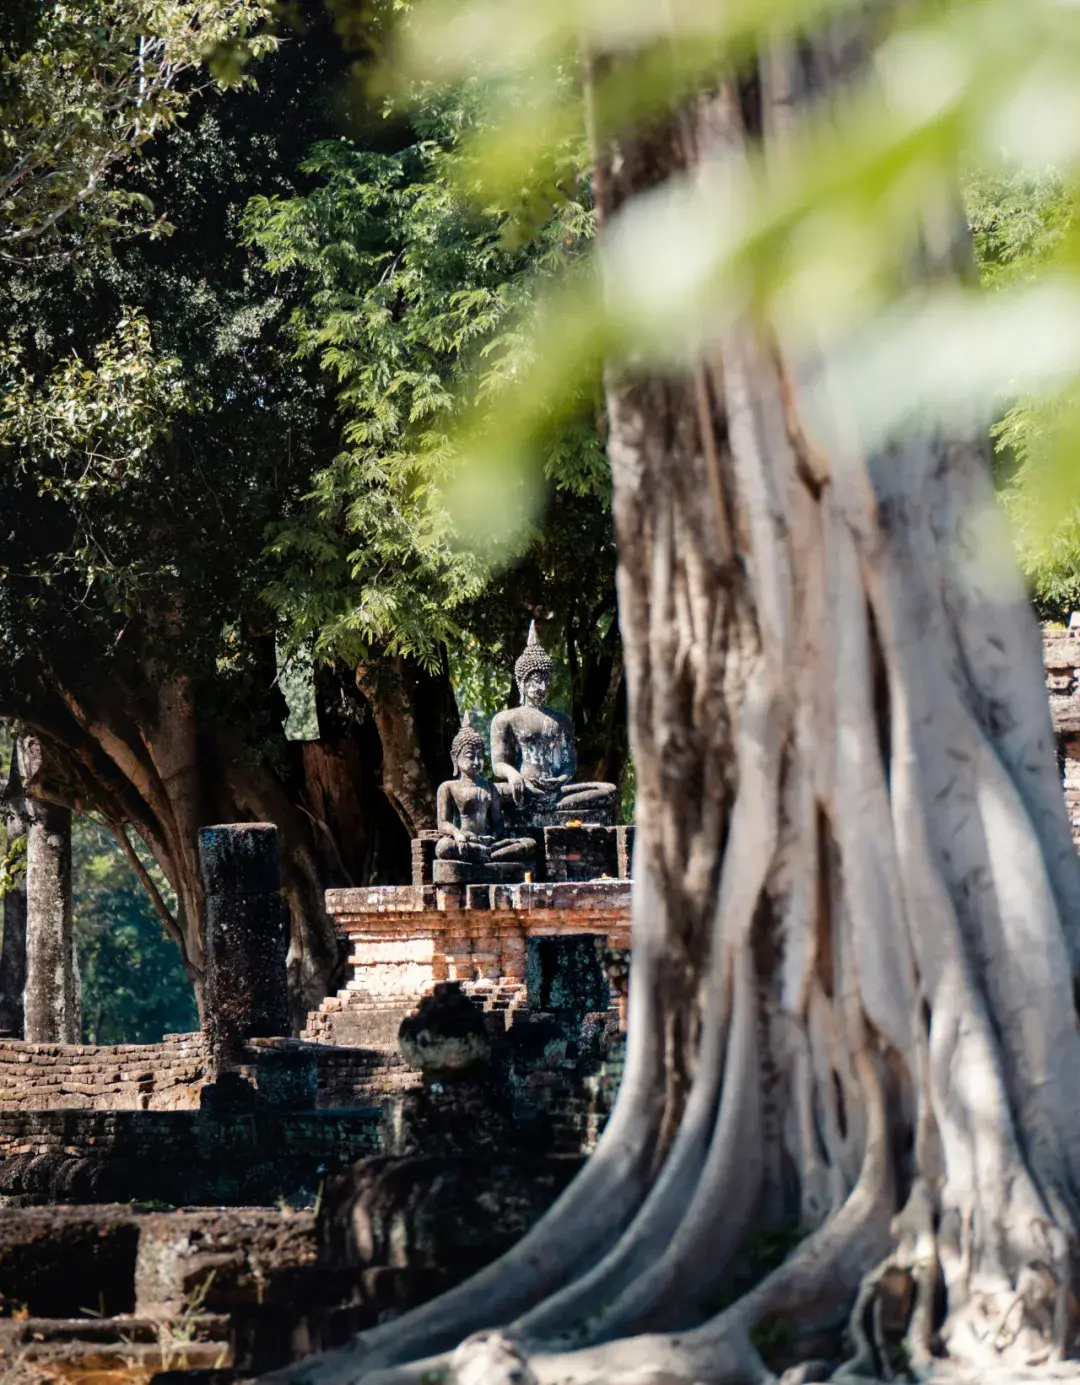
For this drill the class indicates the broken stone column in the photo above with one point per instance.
(247, 936)
(51, 1001)
(13, 950)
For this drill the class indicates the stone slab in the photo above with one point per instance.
(379, 899)
(469, 873)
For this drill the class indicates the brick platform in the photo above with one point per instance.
(404, 939)
(170, 1076)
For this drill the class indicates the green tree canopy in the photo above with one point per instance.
(155, 423)
(412, 298)
(133, 986)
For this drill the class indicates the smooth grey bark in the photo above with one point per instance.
(51, 1004)
(13, 951)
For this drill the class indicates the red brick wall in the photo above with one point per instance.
(115, 1077)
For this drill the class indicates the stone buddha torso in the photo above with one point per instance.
(536, 740)
(474, 801)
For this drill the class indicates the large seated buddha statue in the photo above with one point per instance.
(533, 756)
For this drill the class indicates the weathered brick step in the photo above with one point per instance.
(32, 1334)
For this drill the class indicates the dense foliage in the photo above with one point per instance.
(411, 297)
(1021, 224)
(155, 423)
(142, 466)
(111, 514)
(195, 426)
(206, 467)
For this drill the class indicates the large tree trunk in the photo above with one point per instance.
(416, 717)
(360, 836)
(856, 910)
(51, 1002)
(13, 951)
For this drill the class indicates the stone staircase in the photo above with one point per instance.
(353, 1018)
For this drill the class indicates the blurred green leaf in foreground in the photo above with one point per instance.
(821, 236)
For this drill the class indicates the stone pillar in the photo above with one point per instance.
(13, 952)
(247, 936)
(51, 1002)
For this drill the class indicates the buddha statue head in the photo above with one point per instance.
(467, 750)
(533, 671)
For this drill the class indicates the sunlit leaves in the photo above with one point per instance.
(95, 420)
(83, 85)
(82, 435)
(1022, 225)
(12, 864)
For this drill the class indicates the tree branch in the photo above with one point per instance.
(160, 907)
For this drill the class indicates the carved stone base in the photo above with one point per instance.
(587, 817)
(473, 873)
(526, 819)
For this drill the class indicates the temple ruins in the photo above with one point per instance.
(469, 1062)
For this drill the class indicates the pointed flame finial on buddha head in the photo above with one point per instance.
(534, 660)
(467, 737)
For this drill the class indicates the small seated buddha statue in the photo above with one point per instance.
(533, 755)
(469, 810)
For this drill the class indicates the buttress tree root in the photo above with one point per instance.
(856, 915)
